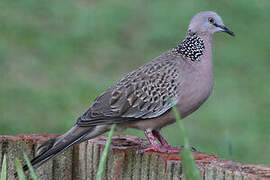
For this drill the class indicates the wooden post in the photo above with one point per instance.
(124, 163)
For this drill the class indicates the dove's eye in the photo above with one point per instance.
(211, 20)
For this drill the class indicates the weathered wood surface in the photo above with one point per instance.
(124, 163)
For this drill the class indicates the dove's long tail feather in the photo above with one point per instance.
(53, 147)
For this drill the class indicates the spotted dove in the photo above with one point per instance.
(143, 99)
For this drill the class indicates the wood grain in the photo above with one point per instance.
(80, 162)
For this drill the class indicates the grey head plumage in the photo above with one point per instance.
(207, 22)
(144, 97)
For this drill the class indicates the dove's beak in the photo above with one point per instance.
(225, 29)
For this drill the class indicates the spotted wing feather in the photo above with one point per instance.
(147, 92)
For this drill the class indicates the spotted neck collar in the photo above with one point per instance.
(192, 47)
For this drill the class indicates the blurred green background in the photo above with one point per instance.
(57, 56)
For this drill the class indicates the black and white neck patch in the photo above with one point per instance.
(192, 47)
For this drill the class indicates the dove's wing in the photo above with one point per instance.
(145, 93)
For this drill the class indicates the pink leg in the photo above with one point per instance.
(151, 136)
(161, 139)
(165, 143)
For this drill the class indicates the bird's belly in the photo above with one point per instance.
(153, 123)
(194, 95)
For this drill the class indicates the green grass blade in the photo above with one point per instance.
(103, 160)
(4, 168)
(31, 169)
(189, 166)
(19, 170)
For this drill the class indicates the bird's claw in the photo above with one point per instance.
(163, 149)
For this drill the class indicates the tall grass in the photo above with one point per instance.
(4, 169)
(103, 160)
(19, 169)
(30, 167)
(189, 166)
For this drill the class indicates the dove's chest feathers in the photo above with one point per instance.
(197, 81)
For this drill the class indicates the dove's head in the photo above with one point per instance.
(208, 22)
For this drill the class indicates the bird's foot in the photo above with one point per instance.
(163, 149)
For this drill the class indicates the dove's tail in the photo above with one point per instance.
(53, 147)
